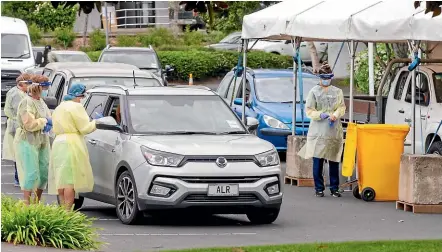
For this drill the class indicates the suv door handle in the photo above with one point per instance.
(408, 120)
(401, 111)
(93, 142)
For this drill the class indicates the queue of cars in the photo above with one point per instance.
(161, 148)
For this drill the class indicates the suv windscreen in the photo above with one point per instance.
(91, 82)
(169, 114)
(438, 86)
(144, 60)
(281, 89)
(67, 57)
(15, 46)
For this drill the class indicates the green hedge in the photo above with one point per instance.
(207, 63)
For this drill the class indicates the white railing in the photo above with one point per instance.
(141, 18)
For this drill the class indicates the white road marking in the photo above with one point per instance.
(8, 174)
(7, 165)
(178, 234)
(20, 193)
(107, 219)
(8, 183)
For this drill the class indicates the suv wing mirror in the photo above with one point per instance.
(51, 102)
(108, 123)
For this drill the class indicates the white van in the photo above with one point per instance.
(17, 54)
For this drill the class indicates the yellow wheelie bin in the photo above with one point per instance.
(378, 149)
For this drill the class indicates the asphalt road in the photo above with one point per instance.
(303, 218)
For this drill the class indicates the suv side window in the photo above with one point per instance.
(114, 109)
(400, 86)
(422, 90)
(59, 93)
(224, 85)
(55, 84)
(239, 92)
(96, 103)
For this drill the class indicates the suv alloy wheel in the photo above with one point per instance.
(126, 199)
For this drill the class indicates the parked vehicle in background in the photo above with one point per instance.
(38, 49)
(34, 70)
(269, 99)
(144, 58)
(16, 55)
(282, 47)
(50, 69)
(96, 76)
(179, 148)
(395, 106)
(68, 56)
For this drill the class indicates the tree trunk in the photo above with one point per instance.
(175, 6)
(211, 15)
(401, 50)
(314, 56)
(86, 20)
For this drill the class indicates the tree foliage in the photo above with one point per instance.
(431, 6)
(43, 14)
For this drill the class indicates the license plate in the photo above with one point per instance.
(223, 190)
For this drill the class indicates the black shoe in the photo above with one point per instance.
(319, 194)
(336, 194)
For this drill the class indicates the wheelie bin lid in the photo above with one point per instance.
(385, 127)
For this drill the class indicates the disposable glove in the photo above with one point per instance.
(49, 121)
(324, 116)
(47, 128)
(97, 115)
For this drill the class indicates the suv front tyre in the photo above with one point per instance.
(126, 200)
(263, 215)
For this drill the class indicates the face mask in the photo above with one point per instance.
(325, 83)
(44, 93)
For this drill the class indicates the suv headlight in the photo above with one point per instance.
(269, 158)
(159, 158)
(274, 123)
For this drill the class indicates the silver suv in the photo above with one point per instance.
(169, 148)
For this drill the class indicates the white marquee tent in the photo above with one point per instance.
(344, 20)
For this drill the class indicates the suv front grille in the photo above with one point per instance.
(220, 180)
(212, 159)
(203, 198)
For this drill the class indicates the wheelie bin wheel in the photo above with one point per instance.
(368, 194)
(356, 193)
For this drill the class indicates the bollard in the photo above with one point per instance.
(190, 80)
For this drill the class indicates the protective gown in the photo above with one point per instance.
(70, 166)
(31, 144)
(324, 140)
(13, 99)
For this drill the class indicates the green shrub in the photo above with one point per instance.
(157, 37)
(35, 34)
(361, 68)
(97, 40)
(192, 38)
(94, 55)
(182, 48)
(205, 64)
(46, 225)
(214, 37)
(64, 36)
(125, 40)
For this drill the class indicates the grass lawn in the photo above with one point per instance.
(375, 246)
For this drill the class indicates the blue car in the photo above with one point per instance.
(269, 98)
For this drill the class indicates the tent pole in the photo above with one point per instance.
(295, 84)
(413, 100)
(371, 69)
(244, 82)
(352, 78)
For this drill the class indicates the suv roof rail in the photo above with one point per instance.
(191, 86)
(124, 88)
(108, 46)
(150, 47)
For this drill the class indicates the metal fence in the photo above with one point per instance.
(142, 17)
